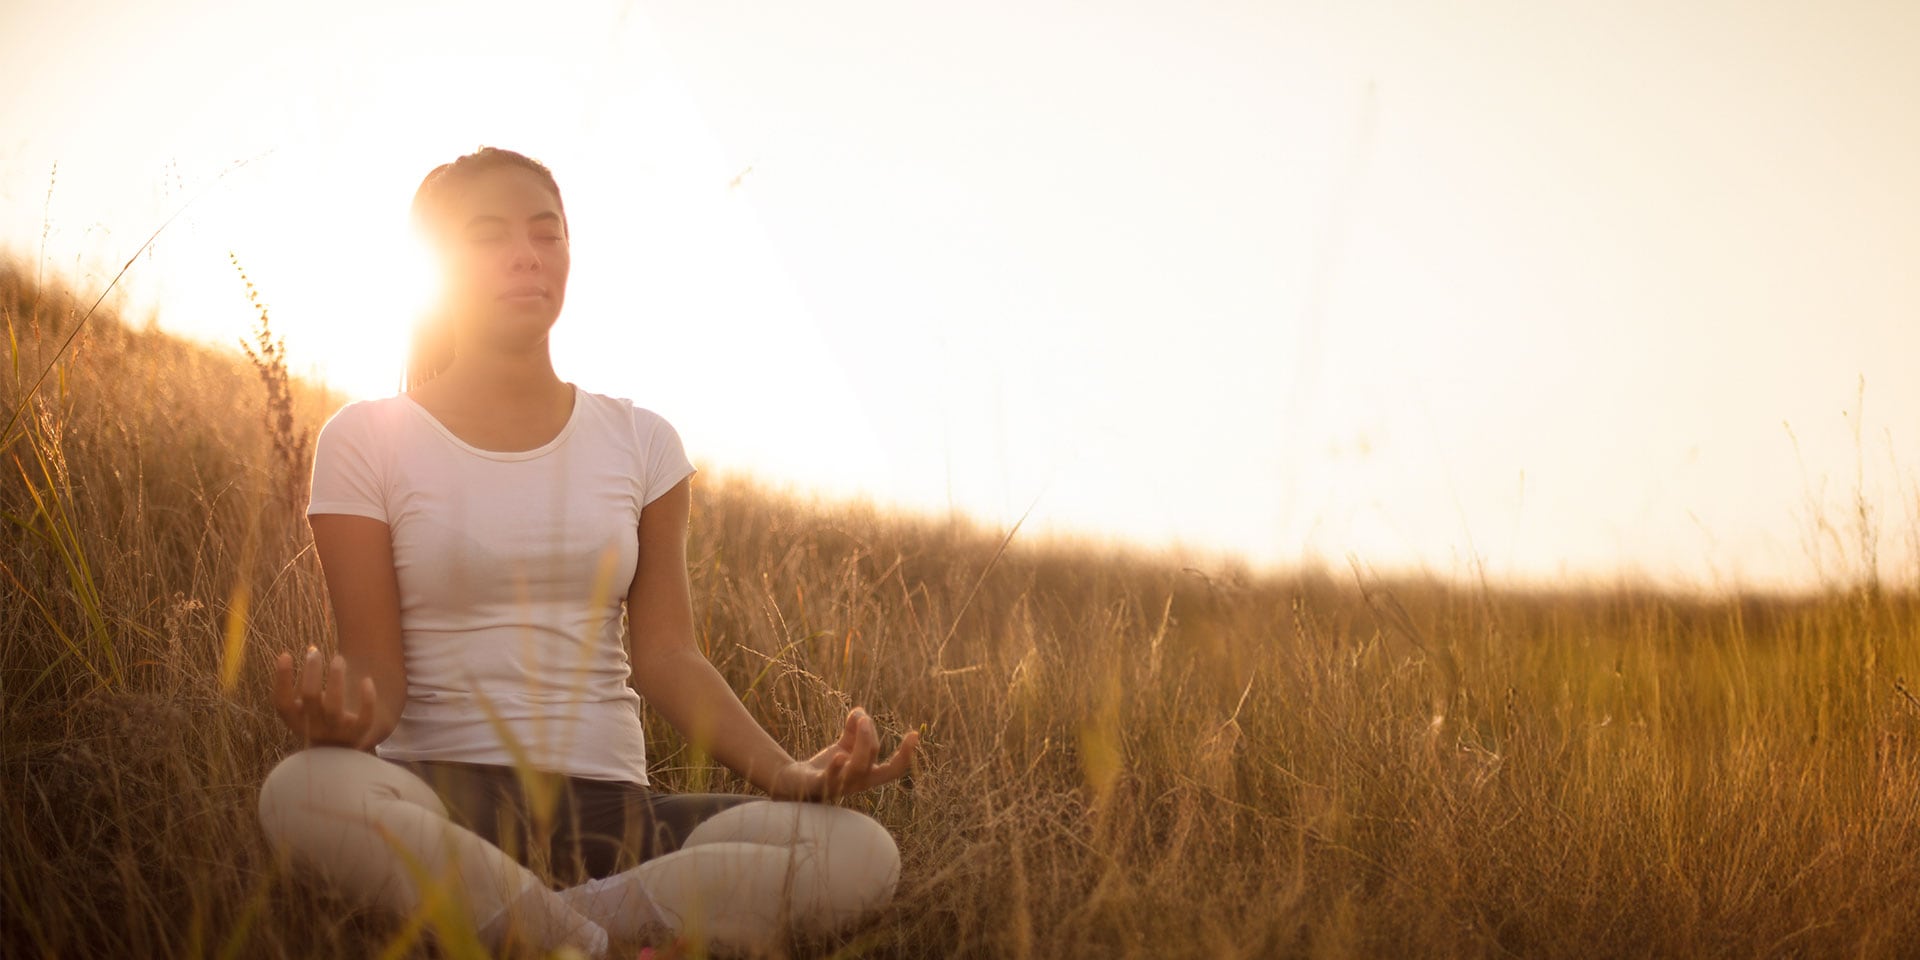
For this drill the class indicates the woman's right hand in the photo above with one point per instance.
(321, 717)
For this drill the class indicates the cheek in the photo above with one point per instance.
(473, 270)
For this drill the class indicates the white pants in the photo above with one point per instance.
(740, 879)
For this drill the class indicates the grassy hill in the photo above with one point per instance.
(1123, 757)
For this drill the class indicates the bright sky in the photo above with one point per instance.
(1566, 292)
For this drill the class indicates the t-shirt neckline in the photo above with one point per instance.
(573, 417)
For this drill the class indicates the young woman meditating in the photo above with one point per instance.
(479, 534)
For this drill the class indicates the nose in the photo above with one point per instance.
(525, 256)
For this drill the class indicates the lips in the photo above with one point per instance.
(523, 292)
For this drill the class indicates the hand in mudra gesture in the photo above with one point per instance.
(319, 716)
(845, 767)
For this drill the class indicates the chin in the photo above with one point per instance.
(519, 329)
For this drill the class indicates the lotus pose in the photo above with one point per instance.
(480, 533)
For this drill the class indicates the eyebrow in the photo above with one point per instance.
(487, 218)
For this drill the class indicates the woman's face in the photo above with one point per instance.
(505, 257)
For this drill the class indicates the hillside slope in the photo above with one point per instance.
(1122, 757)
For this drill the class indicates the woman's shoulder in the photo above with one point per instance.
(623, 410)
(363, 424)
(371, 414)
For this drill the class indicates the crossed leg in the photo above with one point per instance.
(365, 824)
(740, 879)
(749, 873)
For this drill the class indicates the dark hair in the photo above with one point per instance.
(432, 347)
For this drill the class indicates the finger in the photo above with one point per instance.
(363, 718)
(310, 674)
(903, 755)
(311, 710)
(867, 745)
(897, 764)
(850, 731)
(333, 700)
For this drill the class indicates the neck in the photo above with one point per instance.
(506, 379)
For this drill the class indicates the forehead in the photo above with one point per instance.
(509, 193)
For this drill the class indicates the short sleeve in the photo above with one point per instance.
(666, 456)
(346, 474)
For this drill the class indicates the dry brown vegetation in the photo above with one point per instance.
(1123, 757)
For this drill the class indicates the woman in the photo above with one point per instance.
(478, 534)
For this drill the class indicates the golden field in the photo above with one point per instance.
(1123, 756)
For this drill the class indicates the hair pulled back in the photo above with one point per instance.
(431, 350)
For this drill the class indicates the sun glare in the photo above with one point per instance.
(368, 275)
(338, 264)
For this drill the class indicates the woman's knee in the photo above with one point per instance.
(328, 783)
(862, 862)
(848, 863)
(340, 812)
(293, 792)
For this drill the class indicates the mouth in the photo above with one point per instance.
(523, 294)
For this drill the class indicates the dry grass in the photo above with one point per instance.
(1123, 757)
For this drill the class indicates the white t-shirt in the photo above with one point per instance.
(513, 569)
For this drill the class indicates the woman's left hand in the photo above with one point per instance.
(846, 767)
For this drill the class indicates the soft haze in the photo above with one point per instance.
(1556, 292)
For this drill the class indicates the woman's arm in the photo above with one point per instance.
(683, 686)
(356, 555)
(668, 667)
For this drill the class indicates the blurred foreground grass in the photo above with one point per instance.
(1123, 756)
